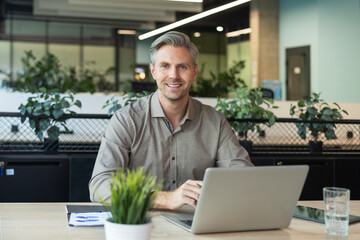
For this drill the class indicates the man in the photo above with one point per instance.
(170, 134)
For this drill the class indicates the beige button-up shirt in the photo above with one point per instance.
(137, 135)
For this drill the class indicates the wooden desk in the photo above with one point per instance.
(48, 221)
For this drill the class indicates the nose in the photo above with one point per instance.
(173, 73)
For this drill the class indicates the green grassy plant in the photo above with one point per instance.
(132, 194)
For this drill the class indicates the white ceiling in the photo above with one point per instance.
(146, 12)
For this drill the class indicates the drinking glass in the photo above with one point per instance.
(337, 205)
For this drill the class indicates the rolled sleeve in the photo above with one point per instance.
(113, 155)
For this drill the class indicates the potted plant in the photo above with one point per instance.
(218, 85)
(128, 98)
(132, 195)
(248, 104)
(316, 110)
(35, 74)
(90, 79)
(46, 112)
(48, 73)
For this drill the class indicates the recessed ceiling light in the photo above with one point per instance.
(197, 34)
(192, 18)
(219, 28)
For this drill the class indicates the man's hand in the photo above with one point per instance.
(188, 193)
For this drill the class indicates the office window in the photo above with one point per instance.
(212, 62)
(68, 54)
(4, 59)
(64, 32)
(20, 47)
(75, 44)
(5, 55)
(98, 34)
(240, 51)
(100, 58)
(127, 67)
(25, 28)
(212, 47)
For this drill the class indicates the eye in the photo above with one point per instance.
(182, 67)
(164, 66)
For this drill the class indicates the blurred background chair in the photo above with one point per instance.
(267, 92)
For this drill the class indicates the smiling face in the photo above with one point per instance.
(174, 73)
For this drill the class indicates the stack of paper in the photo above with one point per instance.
(87, 215)
(88, 219)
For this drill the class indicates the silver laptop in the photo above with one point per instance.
(242, 199)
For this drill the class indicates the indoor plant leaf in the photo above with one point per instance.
(316, 110)
(53, 133)
(248, 104)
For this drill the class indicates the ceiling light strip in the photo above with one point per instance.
(238, 32)
(192, 19)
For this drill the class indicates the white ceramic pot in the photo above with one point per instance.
(116, 231)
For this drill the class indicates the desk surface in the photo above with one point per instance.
(48, 221)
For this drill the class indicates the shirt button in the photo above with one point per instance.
(173, 181)
(173, 158)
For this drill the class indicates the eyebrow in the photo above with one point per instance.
(179, 64)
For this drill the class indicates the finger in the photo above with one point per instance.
(190, 189)
(188, 193)
(191, 202)
(199, 182)
(196, 184)
(185, 197)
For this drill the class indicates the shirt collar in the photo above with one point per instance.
(157, 111)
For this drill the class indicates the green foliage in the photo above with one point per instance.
(49, 74)
(129, 97)
(45, 110)
(220, 85)
(92, 80)
(36, 74)
(248, 104)
(132, 194)
(316, 109)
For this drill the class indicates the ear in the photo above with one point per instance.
(152, 70)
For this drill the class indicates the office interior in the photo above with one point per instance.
(87, 34)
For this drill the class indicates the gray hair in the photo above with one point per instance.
(176, 39)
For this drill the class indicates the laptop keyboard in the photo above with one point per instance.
(187, 222)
